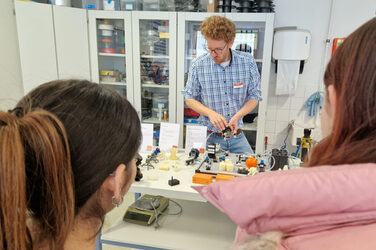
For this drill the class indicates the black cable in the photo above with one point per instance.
(156, 214)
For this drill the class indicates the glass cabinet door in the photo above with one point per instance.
(190, 45)
(110, 49)
(252, 32)
(155, 64)
(194, 48)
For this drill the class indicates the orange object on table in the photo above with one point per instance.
(204, 179)
(251, 162)
(224, 177)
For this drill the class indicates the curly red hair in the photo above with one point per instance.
(218, 28)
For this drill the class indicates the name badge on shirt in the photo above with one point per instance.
(238, 85)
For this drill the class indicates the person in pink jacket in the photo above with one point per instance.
(329, 205)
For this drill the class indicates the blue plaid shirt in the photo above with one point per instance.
(223, 89)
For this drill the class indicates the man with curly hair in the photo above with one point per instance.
(223, 85)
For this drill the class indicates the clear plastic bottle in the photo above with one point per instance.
(106, 38)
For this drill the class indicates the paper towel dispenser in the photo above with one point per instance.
(291, 44)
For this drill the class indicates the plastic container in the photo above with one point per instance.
(111, 4)
(130, 5)
(160, 114)
(160, 99)
(92, 4)
(107, 44)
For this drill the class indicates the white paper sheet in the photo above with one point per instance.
(147, 137)
(195, 136)
(287, 77)
(169, 135)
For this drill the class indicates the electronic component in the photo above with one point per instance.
(280, 157)
(242, 170)
(193, 155)
(212, 148)
(173, 182)
(261, 166)
(238, 159)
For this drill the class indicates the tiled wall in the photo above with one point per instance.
(314, 16)
(283, 109)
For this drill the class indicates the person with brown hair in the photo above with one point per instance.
(223, 85)
(66, 159)
(349, 111)
(330, 205)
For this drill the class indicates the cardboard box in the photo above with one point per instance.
(212, 5)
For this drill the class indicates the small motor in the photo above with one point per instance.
(193, 155)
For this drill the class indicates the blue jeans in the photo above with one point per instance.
(237, 144)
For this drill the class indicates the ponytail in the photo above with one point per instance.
(12, 186)
(35, 176)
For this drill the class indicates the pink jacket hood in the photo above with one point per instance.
(298, 201)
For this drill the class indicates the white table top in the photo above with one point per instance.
(160, 185)
(200, 226)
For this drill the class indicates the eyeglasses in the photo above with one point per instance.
(216, 51)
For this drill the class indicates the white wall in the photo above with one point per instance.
(314, 16)
(11, 89)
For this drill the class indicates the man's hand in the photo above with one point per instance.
(233, 124)
(218, 121)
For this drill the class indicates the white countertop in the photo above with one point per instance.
(200, 226)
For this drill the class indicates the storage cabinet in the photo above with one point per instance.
(254, 35)
(154, 60)
(51, 45)
(111, 51)
(72, 42)
(144, 55)
(36, 42)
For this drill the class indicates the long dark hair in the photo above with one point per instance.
(56, 149)
(352, 72)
